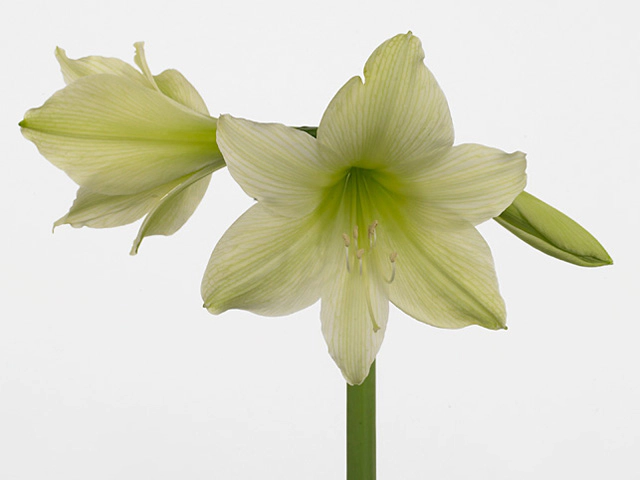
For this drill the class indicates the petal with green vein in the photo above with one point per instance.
(277, 165)
(396, 117)
(172, 211)
(265, 263)
(446, 279)
(73, 69)
(354, 313)
(115, 137)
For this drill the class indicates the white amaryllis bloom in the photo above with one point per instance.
(137, 144)
(380, 208)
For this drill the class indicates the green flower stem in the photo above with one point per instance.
(361, 429)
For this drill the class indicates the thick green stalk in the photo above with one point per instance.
(361, 429)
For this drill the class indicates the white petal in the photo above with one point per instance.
(447, 279)
(91, 209)
(354, 314)
(397, 117)
(172, 211)
(140, 60)
(72, 70)
(116, 137)
(167, 207)
(472, 182)
(277, 165)
(175, 86)
(264, 263)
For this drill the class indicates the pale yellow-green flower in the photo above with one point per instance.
(137, 144)
(380, 208)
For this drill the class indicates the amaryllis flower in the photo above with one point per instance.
(379, 208)
(137, 144)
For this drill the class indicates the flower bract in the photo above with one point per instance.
(379, 208)
(137, 144)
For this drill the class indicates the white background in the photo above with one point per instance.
(110, 368)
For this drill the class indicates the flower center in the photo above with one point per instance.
(353, 207)
(354, 255)
(360, 196)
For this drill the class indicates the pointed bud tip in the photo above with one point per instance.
(552, 232)
(135, 246)
(212, 308)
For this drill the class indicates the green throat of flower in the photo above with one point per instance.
(359, 207)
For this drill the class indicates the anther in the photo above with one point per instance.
(359, 255)
(372, 233)
(346, 239)
(355, 233)
(392, 259)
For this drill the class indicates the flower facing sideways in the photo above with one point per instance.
(379, 208)
(137, 144)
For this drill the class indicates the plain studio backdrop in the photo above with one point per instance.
(111, 369)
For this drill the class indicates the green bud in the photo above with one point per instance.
(552, 232)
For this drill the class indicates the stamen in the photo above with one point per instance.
(359, 255)
(347, 242)
(372, 233)
(375, 325)
(355, 234)
(392, 259)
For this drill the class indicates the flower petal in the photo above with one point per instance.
(140, 60)
(277, 165)
(447, 279)
(167, 207)
(72, 70)
(397, 117)
(115, 137)
(175, 86)
(91, 209)
(469, 181)
(354, 314)
(264, 263)
(170, 82)
(176, 207)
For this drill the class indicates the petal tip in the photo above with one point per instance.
(61, 221)
(212, 308)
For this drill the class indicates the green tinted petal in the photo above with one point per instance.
(72, 70)
(277, 165)
(354, 313)
(266, 264)
(469, 181)
(552, 232)
(175, 86)
(91, 209)
(115, 137)
(395, 118)
(172, 211)
(446, 279)
(140, 60)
